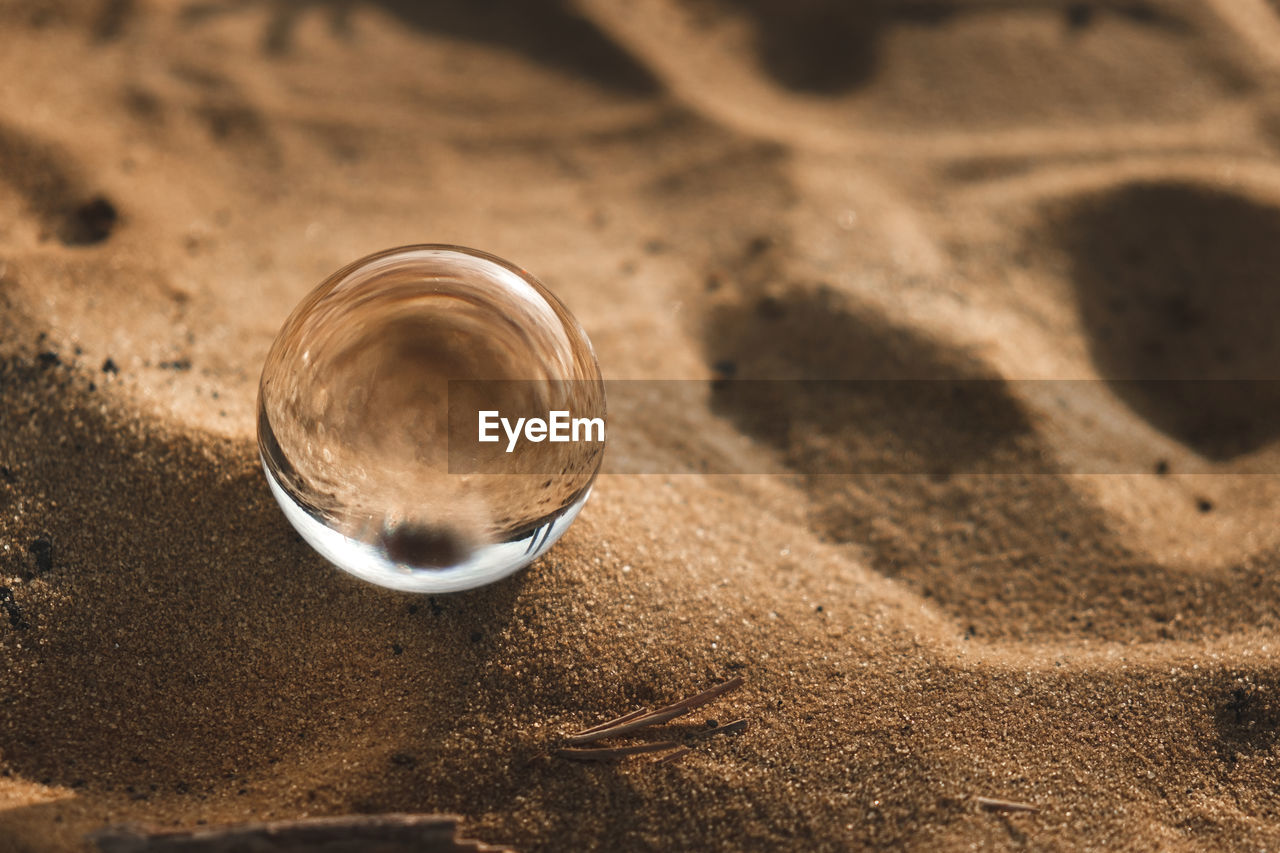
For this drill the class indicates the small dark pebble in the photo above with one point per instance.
(109, 366)
(771, 308)
(397, 649)
(413, 608)
(49, 359)
(725, 369)
(476, 636)
(1204, 504)
(759, 245)
(711, 724)
(42, 551)
(1162, 467)
(91, 222)
(6, 474)
(819, 608)
(11, 609)
(436, 609)
(403, 759)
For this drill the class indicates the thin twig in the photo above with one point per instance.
(424, 833)
(704, 697)
(616, 721)
(631, 722)
(626, 728)
(993, 805)
(615, 752)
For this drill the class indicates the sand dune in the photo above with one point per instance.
(1065, 599)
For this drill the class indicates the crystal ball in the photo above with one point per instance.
(386, 412)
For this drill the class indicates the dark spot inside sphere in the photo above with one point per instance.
(425, 547)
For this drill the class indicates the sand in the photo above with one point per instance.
(1004, 192)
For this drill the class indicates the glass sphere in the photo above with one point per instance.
(379, 405)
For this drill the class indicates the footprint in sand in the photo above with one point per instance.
(549, 32)
(1176, 290)
(984, 78)
(964, 507)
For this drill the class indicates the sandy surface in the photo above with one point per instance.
(1002, 191)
